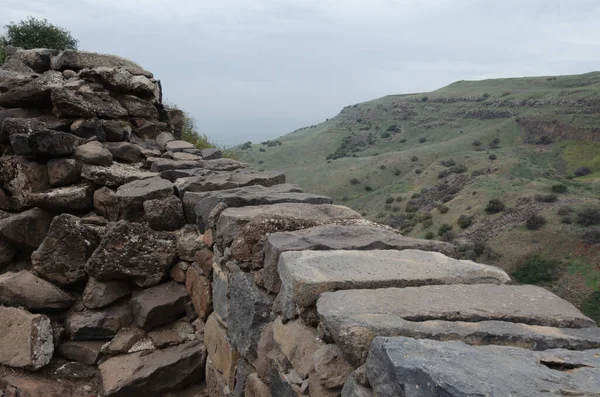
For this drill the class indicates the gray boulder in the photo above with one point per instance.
(133, 195)
(94, 153)
(107, 204)
(211, 154)
(115, 175)
(25, 126)
(86, 352)
(178, 146)
(403, 366)
(23, 289)
(45, 143)
(35, 60)
(155, 373)
(88, 128)
(7, 253)
(73, 198)
(98, 324)
(133, 251)
(19, 177)
(164, 214)
(120, 79)
(77, 60)
(63, 172)
(124, 151)
(68, 244)
(138, 108)
(87, 103)
(27, 229)
(159, 305)
(35, 94)
(24, 114)
(99, 294)
(116, 130)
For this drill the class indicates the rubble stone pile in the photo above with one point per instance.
(134, 264)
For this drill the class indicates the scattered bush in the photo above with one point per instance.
(444, 229)
(591, 306)
(443, 209)
(492, 157)
(354, 181)
(246, 145)
(495, 144)
(544, 140)
(427, 224)
(546, 198)
(415, 195)
(399, 199)
(385, 134)
(582, 171)
(476, 143)
(589, 217)
(449, 236)
(422, 140)
(447, 198)
(535, 221)
(414, 158)
(412, 206)
(402, 140)
(368, 188)
(393, 128)
(538, 270)
(464, 221)
(429, 235)
(397, 172)
(382, 167)
(559, 188)
(567, 220)
(592, 235)
(418, 171)
(395, 208)
(272, 143)
(260, 161)
(494, 206)
(389, 200)
(448, 163)
(565, 210)
(262, 149)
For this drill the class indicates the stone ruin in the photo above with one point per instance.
(134, 264)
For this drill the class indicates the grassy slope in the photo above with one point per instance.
(515, 111)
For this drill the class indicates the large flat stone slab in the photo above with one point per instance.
(250, 196)
(477, 314)
(410, 367)
(114, 176)
(23, 289)
(232, 220)
(354, 333)
(340, 237)
(155, 373)
(307, 274)
(191, 199)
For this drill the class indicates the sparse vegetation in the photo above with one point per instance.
(443, 208)
(589, 216)
(414, 159)
(443, 229)
(537, 270)
(429, 235)
(354, 181)
(368, 188)
(592, 235)
(582, 171)
(546, 198)
(559, 188)
(535, 222)
(464, 221)
(494, 206)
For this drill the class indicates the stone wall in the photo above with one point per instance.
(133, 264)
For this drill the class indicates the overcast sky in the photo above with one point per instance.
(256, 69)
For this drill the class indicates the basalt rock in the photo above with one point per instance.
(23, 289)
(132, 251)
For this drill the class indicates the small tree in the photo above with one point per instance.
(35, 33)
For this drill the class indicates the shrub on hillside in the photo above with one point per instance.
(399, 199)
(412, 206)
(589, 217)
(447, 198)
(402, 140)
(495, 144)
(262, 149)
(591, 306)
(414, 158)
(354, 181)
(565, 210)
(464, 221)
(443, 208)
(443, 229)
(546, 198)
(448, 163)
(494, 206)
(418, 171)
(429, 235)
(582, 171)
(422, 140)
(368, 188)
(385, 134)
(393, 128)
(246, 145)
(567, 220)
(427, 223)
(397, 172)
(476, 143)
(492, 157)
(559, 188)
(592, 235)
(389, 200)
(538, 270)
(535, 221)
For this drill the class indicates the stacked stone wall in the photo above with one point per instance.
(132, 263)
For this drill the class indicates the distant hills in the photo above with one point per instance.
(428, 164)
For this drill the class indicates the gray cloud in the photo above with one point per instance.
(255, 70)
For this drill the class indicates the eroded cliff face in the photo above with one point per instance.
(132, 263)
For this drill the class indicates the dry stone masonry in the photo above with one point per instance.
(134, 264)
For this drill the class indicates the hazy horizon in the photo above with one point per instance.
(257, 71)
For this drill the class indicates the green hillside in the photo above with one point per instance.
(423, 163)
